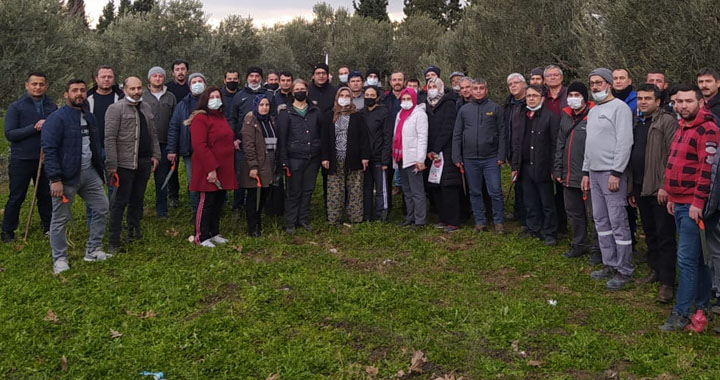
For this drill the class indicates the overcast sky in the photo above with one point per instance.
(262, 12)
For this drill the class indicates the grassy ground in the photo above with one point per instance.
(333, 304)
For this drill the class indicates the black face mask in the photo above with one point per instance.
(300, 96)
(272, 86)
(232, 86)
(370, 101)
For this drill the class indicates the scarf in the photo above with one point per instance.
(339, 110)
(256, 106)
(622, 94)
(441, 91)
(402, 116)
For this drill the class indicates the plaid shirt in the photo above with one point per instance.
(688, 171)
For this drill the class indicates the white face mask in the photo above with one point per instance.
(574, 103)
(214, 104)
(456, 88)
(254, 87)
(406, 105)
(600, 96)
(344, 102)
(197, 88)
(133, 101)
(432, 93)
(343, 78)
(372, 81)
(537, 107)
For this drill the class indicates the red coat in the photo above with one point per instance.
(213, 149)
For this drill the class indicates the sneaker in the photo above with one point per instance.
(674, 322)
(500, 229)
(60, 265)
(574, 252)
(602, 274)
(550, 241)
(217, 239)
(207, 243)
(439, 226)
(618, 282)
(97, 255)
(480, 228)
(451, 228)
(595, 258)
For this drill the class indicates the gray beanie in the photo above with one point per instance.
(603, 73)
(156, 70)
(457, 74)
(193, 75)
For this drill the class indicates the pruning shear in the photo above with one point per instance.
(259, 190)
(218, 184)
(462, 175)
(703, 241)
(114, 181)
(170, 173)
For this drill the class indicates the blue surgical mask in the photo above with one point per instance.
(372, 81)
(343, 78)
(600, 96)
(214, 104)
(197, 88)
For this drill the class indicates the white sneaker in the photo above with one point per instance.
(217, 239)
(60, 265)
(97, 255)
(207, 243)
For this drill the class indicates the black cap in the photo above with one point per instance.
(321, 66)
(578, 87)
(355, 73)
(372, 71)
(254, 69)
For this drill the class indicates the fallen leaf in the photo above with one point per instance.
(312, 243)
(274, 376)
(535, 363)
(114, 334)
(450, 376)
(417, 362)
(515, 345)
(372, 371)
(148, 314)
(611, 374)
(51, 316)
(171, 232)
(63, 363)
(238, 248)
(400, 373)
(333, 251)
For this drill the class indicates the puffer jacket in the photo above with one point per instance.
(179, 141)
(414, 137)
(570, 147)
(380, 132)
(299, 136)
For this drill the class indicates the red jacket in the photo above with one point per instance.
(213, 149)
(689, 167)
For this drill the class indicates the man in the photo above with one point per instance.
(465, 94)
(74, 165)
(392, 97)
(380, 134)
(652, 136)
(343, 76)
(355, 84)
(687, 182)
(179, 143)
(533, 152)
(322, 94)
(536, 76)
(100, 97)
(230, 88)
(711, 218)
(432, 72)
(132, 152)
(455, 78)
(555, 101)
(623, 90)
(709, 81)
(24, 122)
(479, 148)
(178, 86)
(413, 83)
(513, 111)
(372, 77)
(283, 97)
(607, 152)
(273, 81)
(162, 104)
(657, 77)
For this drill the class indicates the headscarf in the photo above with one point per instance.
(347, 110)
(256, 108)
(402, 116)
(441, 91)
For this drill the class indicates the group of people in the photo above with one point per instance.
(606, 151)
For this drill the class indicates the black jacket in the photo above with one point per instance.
(244, 102)
(299, 137)
(323, 97)
(512, 110)
(441, 123)
(543, 137)
(380, 133)
(570, 147)
(714, 105)
(228, 101)
(358, 146)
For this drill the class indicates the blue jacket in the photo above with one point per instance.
(178, 134)
(631, 101)
(20, 120)
(61, 139)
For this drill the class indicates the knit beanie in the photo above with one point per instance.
(603, 73)
(578, 87)
(156, 70)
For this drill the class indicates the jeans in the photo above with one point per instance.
(477, 172)
(162, 170)
(414, 191)
(21, 172)
(375, 187)
(694, 282)
(130, 195)
(194, 196)
(611, 222)
(90, 189)
(659, 227)
(301, 184)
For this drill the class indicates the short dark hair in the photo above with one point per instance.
(230, 71)
(72, 82)
(104, 67)
(374, 88)
(270, 72)
(414, 80)
(689, 87)
(36, 74)
(649, 87)
(538, 88)
(204, 98)
(286, 74)
(179, 62)
(656, 71)
(672, 90)
(708, 71)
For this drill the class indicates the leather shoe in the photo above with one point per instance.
(665, 294)
(652, 277)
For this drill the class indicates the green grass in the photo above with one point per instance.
(325, 305)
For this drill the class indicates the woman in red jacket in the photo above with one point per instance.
(213, 164)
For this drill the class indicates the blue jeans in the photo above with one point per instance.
(485, 170)
(194, 195)
(694, 281)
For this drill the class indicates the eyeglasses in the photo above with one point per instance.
(552, 75)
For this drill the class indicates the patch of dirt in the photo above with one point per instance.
(583, 375)
(501, 279)
(225, 292)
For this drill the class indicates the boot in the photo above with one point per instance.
(595, 258)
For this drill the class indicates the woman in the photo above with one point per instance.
(213, 164)
(300, 129)
(259, 141)
(345, 153)
(380, 129)
(446, 194)
(409, 149)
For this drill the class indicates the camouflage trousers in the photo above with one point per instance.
(340, 184)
